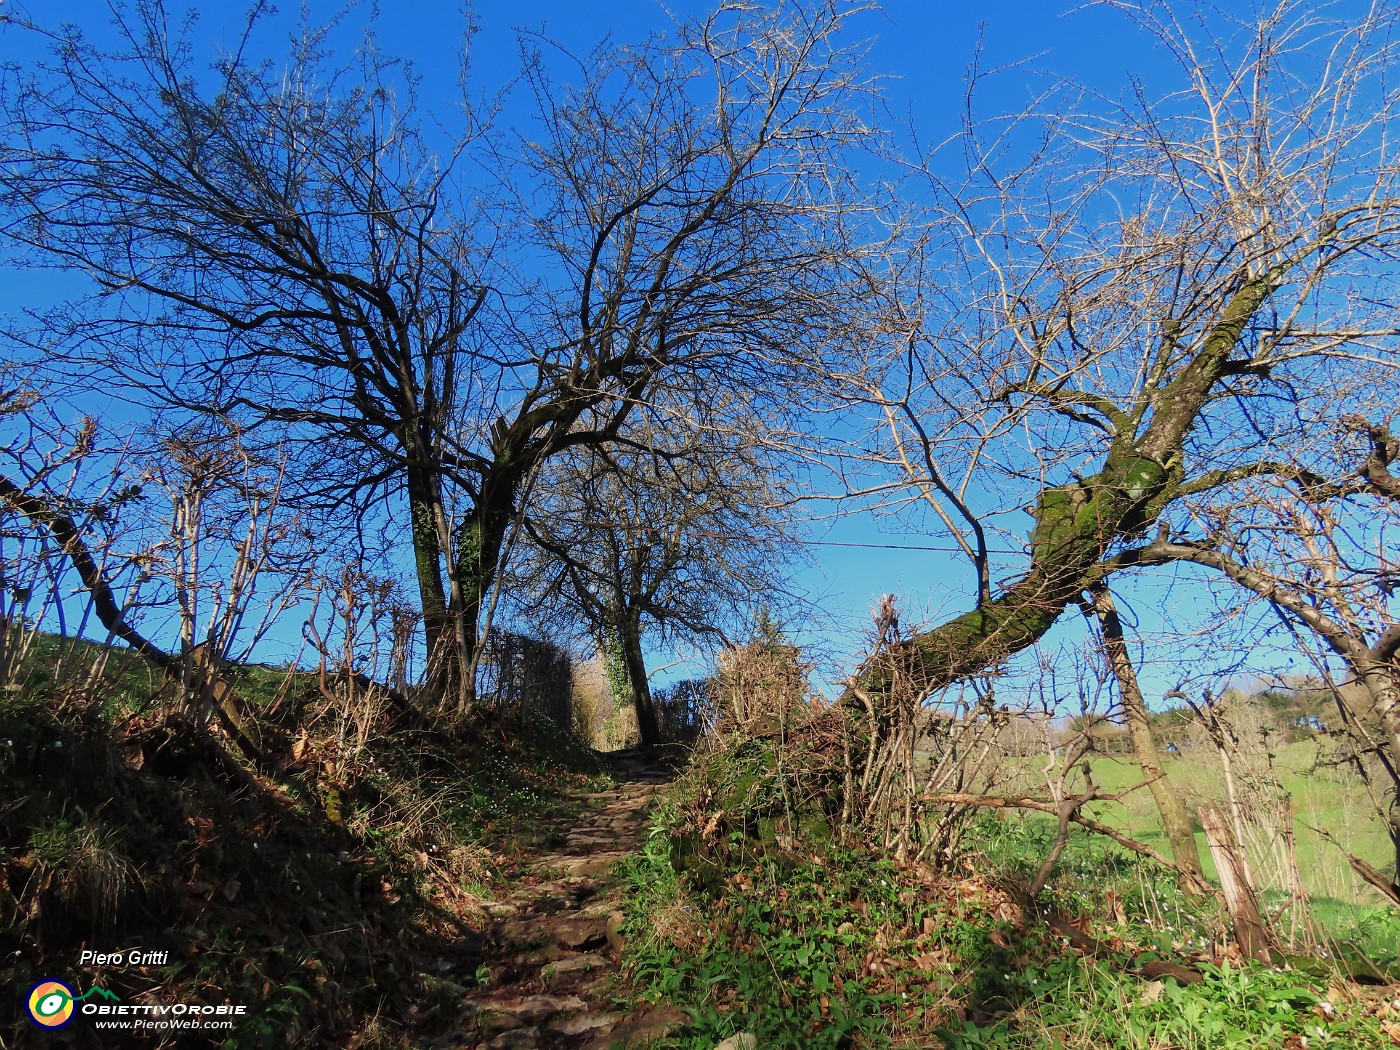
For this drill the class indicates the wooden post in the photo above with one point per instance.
(1250, 931)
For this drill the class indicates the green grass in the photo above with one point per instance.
(1322, 797)
(804, 942)
(1087, 1004)
(851, 950)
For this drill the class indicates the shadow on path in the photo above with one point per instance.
(553, 948)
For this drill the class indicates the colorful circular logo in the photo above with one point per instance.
(51, 1004)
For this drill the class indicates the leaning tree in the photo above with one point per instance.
(1140, 301)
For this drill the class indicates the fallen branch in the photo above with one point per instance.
(1089, 945)
(1196, 883)
(1374, 877)
(1389, 889)
(1067, 811)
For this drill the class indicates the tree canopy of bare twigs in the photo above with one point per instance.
(281, 242)
(1315, 551)
(681, 536)
(1143, 301)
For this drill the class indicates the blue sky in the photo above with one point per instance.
(921, 50)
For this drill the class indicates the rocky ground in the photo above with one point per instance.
(552, 951)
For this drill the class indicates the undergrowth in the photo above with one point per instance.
(338, 900)
(805, 943)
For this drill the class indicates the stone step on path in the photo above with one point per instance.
(553, 949)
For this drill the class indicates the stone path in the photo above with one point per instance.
(553, 948)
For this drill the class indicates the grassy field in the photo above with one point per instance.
(1323, 797)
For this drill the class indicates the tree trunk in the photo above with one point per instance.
(1232, 798)
(477, 561)
(630, 636)
(443, 668)
(619, 643)
(1176, 822)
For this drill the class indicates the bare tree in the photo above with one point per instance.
(233, 557)
(268, 242)
(1146, 308)
(681, 537)
(50, 503)
(280, 242)
(1315, 551)
(84, 533)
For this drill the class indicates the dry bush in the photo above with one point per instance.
(620, 730)
(679, 924)
(875, 767)
(909, 751)
(469, 864)
(759, 684)
(590, 700)
(365, 639)
(598, 719)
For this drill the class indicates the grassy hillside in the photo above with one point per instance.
(757, 920)
(342, 895)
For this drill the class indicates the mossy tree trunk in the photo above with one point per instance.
(476, 564)
(631, 638)
(520, 446)
(424, 507)
(627, 675)
(628, 683)
(1079, 523)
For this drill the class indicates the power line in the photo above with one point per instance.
(733, 538)
(900, 547)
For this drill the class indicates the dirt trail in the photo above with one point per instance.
(552, 949)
